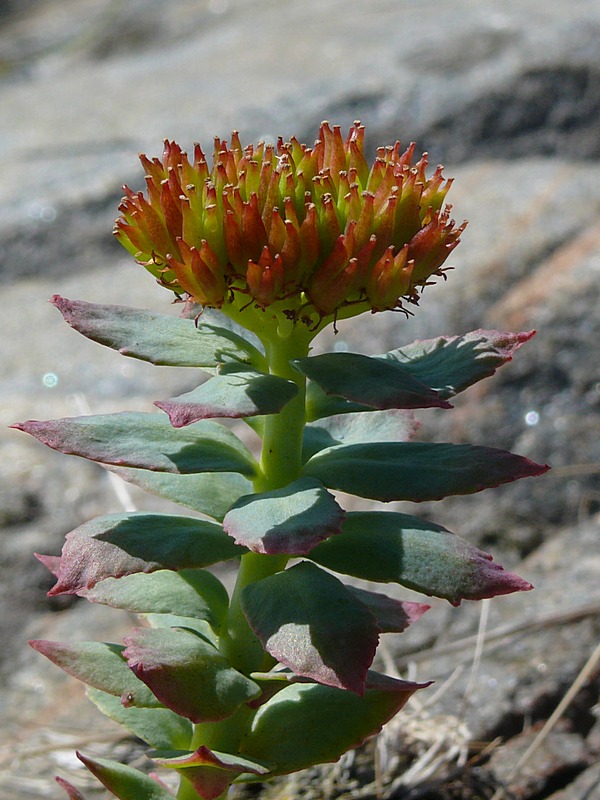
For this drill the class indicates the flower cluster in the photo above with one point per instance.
(304, 231)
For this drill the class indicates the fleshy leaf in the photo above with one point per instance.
(147, 441)
(306, 724)
(417, 471)
(99, 665)
(399, 548)
(189, 593)
(450, 364)
(157, 338)
(236, 391)
(122, 544)
(309, 621)
(368, 381)
(391, 425)
(209, 771)
(125, 782)
(187, 673)
(158, 727)
(199, 626)
(393, 616)
(72, 792)
(290, 520)
(211, 493)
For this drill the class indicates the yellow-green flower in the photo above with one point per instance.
(308, 234)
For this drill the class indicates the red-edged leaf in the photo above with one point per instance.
(309, 621)
(125, 782)
(209, 771)
(157, 338)
(399, 548)
(123, 544)
(72, 792)
(393, 616)
(187, 673)
(145, 441)
(417, 471)
(368, 381)
(450, 364)
(290, 520)
(236, 391)
(100, 665)
(306, 724)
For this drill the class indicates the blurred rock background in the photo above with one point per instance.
(505, 93)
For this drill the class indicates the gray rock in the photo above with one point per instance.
(507, 94)
(585, 787)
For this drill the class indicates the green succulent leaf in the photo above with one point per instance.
(199, 626)
(146, 441)
(399, 548)
(235, 392)
(187, 673)
(393, 616)
(450, 364)
(157, 338)
(158, 727)
(367, 381)
(294, 729)
(189, 593)
(211, 494)
(124, 782)
(122, 544)
(290, 520)
(309, 621)
(446, 365)
(209, 771)
(392, 425)
(101, 666)
(416, 471)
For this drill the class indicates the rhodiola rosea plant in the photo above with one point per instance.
(283, 241)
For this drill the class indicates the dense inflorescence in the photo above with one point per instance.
(304, 231)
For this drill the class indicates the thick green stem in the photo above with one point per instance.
(281, 463)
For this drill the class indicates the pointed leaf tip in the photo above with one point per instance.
(72, 792)
(52, 563)
(123, 544)
(450, 364)
(124, 782)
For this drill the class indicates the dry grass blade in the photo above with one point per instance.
(502, 632)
